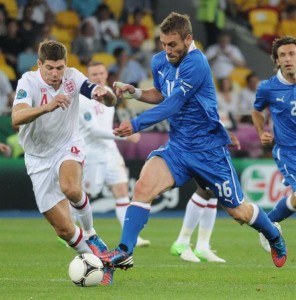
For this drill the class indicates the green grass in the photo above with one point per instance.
(33, 265)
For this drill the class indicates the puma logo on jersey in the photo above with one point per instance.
(280, 99)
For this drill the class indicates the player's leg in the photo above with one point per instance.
(70, 177)
(219, 172)
(155, 178)
(206, 225)
(122, 201)
(117, 179)
(59, 217)
(194, 210)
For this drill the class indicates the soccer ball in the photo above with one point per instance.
(86, 270)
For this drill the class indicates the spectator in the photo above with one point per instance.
(126, 68)
(3, 18)
(212, 14)
(28, 28)
(287, 26)
(129, 6)
(12, 43)
(86, 44)
(85, 8)
(227, 98)
(224, 56)
(6, 94)
(57, 5)
(135, 33)
(106, 27)
(247, 98)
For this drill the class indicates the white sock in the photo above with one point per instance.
(121, 205)
(78, 243)
(84, 215)
(194, 209)
(206, 225)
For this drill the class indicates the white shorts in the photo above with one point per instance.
(44, 173)
(110, 172)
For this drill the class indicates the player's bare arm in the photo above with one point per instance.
(125, 129)
(259, 121)
(128, 91)
(104, 96)
(23, 113)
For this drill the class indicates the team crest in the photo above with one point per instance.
(87, 116)
(69, 87)
(21, 94)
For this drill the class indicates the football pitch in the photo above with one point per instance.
(34, 265)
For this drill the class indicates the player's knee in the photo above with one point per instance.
(73, 193)
(65, 233)
(240, 215)
(143, 191)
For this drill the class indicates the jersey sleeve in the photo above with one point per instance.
(24, 91)
(261, 100)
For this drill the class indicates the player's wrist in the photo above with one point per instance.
(137, 93)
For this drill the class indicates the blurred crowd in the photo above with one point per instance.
(124, 35)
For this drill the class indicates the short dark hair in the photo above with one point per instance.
(176, 23)
(278, 42)
(52, 50)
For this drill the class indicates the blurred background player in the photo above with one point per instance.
(104, 164)
(46, 109)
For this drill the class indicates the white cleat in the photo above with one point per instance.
(188, 255)
(263, 240)
(142, 243)
(207, 255)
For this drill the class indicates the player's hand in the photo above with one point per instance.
(62, 101)
(5, 149)
(99, 93)
(266, 138)
(134, 138)
(123, 90)
(234, 141)
(125, 129)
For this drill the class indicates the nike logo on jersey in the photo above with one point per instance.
(280, 99)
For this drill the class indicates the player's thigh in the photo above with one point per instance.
(155, 178)
(70, 174)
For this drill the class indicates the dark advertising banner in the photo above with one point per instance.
(260, 180)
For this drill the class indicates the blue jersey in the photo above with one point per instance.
(280, 97)
(189, 104)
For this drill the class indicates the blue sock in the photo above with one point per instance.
(264, 225)
(135, 219)
(280, 211)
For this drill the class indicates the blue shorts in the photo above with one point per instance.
(210, 168)
(285, 159)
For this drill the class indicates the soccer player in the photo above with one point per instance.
(46, 109)
(201, 210)
(277, 94)
(197, 148)
(103, 164)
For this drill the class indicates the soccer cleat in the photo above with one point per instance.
(97, 246)
(60, 240)
(184, 252)
(207, 255)
(142, 243)
(108, 276)
(117, 258)
(263, 240)
(279, 252)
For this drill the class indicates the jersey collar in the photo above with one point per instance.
(281, 78)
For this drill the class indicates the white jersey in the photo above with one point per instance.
(50, 132)
(96, 127)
